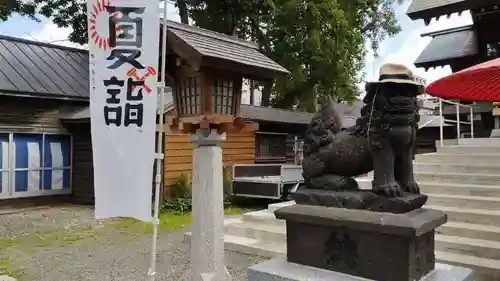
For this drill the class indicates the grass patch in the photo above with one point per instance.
(6, 269)
(168, 220)
(233, 211)
(6, 243)
(56, 238)
(64, 237)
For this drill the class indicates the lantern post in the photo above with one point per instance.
(206, 71)
(207, 106)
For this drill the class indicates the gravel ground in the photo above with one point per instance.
(109, 254)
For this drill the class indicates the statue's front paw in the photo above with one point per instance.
(412, 187)
(389, 190)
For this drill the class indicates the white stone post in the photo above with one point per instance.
(207, 238)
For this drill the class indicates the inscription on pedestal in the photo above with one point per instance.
(341, 248)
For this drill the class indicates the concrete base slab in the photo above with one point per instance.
(278, 269)
(7, 278)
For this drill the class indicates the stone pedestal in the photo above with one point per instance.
(207, 240)
(359, 243)
(359, 200)
(278, 269)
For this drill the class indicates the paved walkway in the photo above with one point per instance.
(65, 243)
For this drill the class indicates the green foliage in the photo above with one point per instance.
(185, 205)
(181, 194)
(182, 205)
(64, 13)
(182, 188)
(227, 179)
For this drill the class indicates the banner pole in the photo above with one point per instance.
(159, 144)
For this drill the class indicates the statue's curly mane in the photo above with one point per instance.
(324, 125)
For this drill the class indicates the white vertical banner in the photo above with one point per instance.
(123, 45)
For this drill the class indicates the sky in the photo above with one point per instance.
(403, 48)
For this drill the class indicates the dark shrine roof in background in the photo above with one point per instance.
(42, 70)
(213, 49)
(248, 112)
(276, 115)
(447, 45)
(429, 9)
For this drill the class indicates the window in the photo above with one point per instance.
(493, 50)
(35, 164)
(223, 96)
(270, 147)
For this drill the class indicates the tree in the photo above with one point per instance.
(64, 13)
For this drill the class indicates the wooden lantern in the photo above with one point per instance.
(208, 99)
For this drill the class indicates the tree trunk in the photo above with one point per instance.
(266, 94)
(183, 11)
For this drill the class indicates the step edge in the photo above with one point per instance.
(472, 226)
(464, 197)
(455, 164)
(464, 210)
(474, 242)
(457, 174)
(478, 262)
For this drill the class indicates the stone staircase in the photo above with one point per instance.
(462, 180)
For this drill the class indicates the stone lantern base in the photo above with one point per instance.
(325, 243)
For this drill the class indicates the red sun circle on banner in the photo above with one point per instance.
(98, 24)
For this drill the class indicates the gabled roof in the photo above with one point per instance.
(203, 47)
(447, 45)
(42, 70)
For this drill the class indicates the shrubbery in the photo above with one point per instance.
(181, 193)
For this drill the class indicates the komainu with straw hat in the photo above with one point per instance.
(382, 141)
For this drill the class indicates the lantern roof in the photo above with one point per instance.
(205, 48)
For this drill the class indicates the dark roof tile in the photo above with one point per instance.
(217, 45)
(260, 113)
(422, 5)
(38, 68)
(448, 45)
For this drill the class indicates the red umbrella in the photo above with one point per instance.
(477, 83)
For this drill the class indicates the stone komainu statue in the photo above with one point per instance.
(383, 139)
